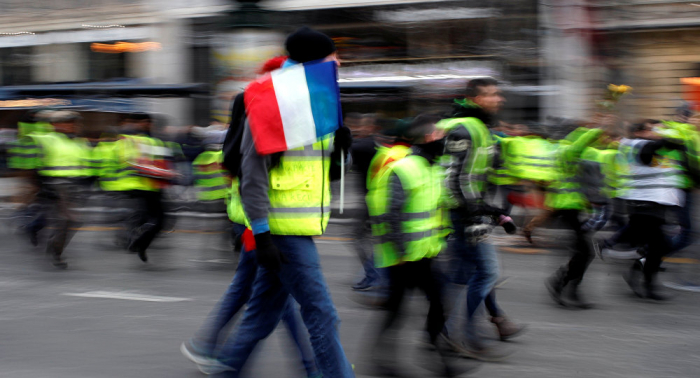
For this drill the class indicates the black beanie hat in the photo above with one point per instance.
(305, 45)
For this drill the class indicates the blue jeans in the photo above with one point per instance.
(237, 295)
(300, 277)
(477, 266)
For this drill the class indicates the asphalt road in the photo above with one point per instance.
(110, 315)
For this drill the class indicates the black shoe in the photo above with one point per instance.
(555, 286)
(651, 292)
(34, 238)
(142, 255)
(575, 299)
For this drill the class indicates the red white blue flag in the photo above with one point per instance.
(293, 107)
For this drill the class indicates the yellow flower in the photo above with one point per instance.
(624, 88)
(612, 88)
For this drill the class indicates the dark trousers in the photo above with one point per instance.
(407, 276)
(583, 255)
(646, 228)
(147, 219)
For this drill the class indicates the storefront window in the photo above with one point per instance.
(15, 65)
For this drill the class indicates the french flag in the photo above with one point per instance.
(293, 107)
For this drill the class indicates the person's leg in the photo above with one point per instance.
(383, 349)
(583, 255)
(155, 219)
(260, 318)
(426, 280)
(303, 279)
(237, 294)
(658, 247)
(492, 306)
(295, 325)
(484, 276)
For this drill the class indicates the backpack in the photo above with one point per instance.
(232, 143)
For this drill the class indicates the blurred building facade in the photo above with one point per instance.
(399, 56)
(647, 44)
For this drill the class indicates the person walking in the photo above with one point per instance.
(470, 146)
(404, 204)
(566, 200)
(286, 198)
(62, 165)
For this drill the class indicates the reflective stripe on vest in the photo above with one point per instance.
(210, 179)
(62, 156)
(421, 224)
(480, 161)
(660, 183)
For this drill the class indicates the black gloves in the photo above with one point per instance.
(266, 253)
(343, 139)
(342, 142)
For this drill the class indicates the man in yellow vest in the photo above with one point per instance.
(62, 166)
(141, 173)
(470, 145)
(404, 203)
(286, 198)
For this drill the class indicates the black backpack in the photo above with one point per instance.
(232, 142)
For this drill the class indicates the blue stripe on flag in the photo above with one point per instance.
(321, 79)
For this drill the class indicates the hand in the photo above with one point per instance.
(343, 139)
(507, 223)
(266, 253)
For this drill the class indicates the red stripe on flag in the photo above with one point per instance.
(264, 116)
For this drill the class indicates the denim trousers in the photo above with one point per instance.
(236, 296)
(300, 277)
(476, 265)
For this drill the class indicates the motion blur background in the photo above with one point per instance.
(555, 57)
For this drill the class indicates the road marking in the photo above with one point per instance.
(333, 238)
(130, 296)
(524, 251)
(681, 260)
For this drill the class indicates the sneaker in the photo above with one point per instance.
(575, 299)
(214, 366)
(59, 262)
(364, 285)
(554, 287)
(441, 360)
(194, 354)
(475, 351)
(506, 328)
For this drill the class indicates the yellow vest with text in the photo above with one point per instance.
(300, 191)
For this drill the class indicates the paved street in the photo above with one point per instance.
(109, 315)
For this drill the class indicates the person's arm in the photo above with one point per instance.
(394, 215)
(462, 189)
(254, 184)
(649, 150)
(574, 150)
(461, 180)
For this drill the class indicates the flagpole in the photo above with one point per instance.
(342, 180)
